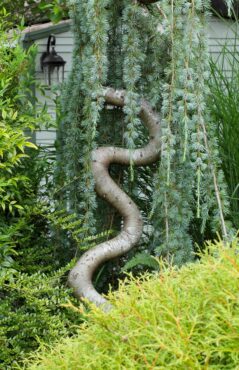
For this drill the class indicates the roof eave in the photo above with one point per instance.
(42, 31)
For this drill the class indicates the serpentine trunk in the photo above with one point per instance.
(80, 277)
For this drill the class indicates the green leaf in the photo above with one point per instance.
(4, 114)
(143, 259)
(31, 145)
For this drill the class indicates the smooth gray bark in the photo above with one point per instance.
(80, 277)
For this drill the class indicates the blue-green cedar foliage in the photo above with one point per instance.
(159, 52)
(81, 107)
(189, 184)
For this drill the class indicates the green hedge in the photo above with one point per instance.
(184, 318)
(33, 309)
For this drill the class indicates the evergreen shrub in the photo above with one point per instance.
(31, 273)
(185, 318)
(33, 308)
(19, 117)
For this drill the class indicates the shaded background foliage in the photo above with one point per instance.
(35, 11)
(223, 102)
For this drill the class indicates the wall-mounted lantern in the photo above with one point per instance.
(52, 64)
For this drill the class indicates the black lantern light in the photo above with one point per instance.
(52, 64)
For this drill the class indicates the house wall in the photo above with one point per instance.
(222, 33)
(219, 32)
(64, 47)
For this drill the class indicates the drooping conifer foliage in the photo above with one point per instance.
(189, 181)
(157, 51)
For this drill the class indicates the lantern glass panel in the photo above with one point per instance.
(53, 75)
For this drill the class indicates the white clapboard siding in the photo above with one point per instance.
(64, 47)
(223, 33)
(219, 33)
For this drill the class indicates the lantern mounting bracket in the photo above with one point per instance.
(50, 42)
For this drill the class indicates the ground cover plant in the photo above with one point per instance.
(185, 318)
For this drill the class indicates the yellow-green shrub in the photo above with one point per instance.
(180, 319)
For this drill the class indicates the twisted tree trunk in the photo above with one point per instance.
(80, 277)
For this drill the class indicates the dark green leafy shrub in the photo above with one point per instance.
(179, 319)
(18, 116)
(32, 310)
(32, 280)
